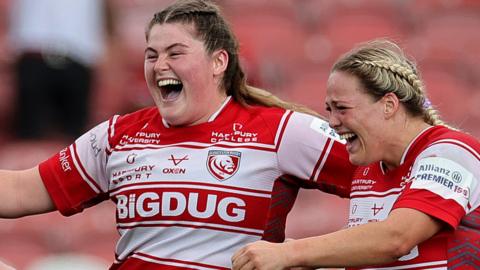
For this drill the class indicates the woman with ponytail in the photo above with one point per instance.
(416, 190)
(214, 165)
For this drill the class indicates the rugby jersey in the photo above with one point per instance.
(438, 175)
(189, 197)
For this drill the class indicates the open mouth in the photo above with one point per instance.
(349, 137)
(170, 89)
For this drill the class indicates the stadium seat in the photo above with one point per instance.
(448, 38)
(308, 88)
(346, 30)
(271, 37)
(448, 93)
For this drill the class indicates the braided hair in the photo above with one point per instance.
(382, 67)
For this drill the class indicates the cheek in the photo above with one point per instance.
(148, 71)
(199, 80)
(346, 118)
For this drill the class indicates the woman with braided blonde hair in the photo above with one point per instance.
(415, 195)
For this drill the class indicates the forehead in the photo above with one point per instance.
(343, 86)
(170, 33)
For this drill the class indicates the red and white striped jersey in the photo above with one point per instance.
(189, 197)
(439, 175)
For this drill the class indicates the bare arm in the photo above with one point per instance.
(23, 193)
(369, 244)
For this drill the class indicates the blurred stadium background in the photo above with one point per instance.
(287, 47)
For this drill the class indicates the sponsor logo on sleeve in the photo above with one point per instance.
(94, 144)
(63, 158)
(449, 174)
(323, 127)
(223, 164)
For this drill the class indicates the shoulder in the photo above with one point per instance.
(119, 125)
(444, 141)
(139, 117)
(448, 148)
(142, 115)
(271, 118)
(265, 112)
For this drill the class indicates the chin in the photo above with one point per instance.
(176, 122)
(358, 161)
(172, 119)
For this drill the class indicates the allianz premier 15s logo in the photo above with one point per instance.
(223, 164)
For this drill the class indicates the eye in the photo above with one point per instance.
(175, 54)
(150, 56)
(335, 108)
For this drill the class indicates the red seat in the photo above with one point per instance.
(450, 37)
(308, 87)
(347, 30)
(448, 94)
(271, 37)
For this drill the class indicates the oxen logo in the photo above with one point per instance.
(223, 164)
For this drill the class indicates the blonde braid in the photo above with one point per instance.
(405, 74)
(430, 114)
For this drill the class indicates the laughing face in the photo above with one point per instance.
(184, 80)
(356, 116)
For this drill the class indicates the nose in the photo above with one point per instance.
(333, 120)
(161, 64)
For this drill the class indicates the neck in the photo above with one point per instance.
(401, 139)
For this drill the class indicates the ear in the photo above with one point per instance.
(220, 62)
(391, 105)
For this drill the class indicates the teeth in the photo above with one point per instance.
(347, 136)
(165, 82)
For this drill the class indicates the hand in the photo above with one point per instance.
(260, 255)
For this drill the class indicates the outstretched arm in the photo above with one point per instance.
(23, 193)
(369, 244)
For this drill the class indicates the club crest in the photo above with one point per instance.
(223, 164)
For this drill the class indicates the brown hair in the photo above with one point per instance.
(212, 28)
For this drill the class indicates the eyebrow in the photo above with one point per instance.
(168, 48)
(333, 102)
(176, 45)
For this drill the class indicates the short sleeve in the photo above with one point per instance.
(75, 177)
(312, 152)
(444, 182)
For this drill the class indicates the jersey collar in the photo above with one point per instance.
(407, 150)
(412, 143)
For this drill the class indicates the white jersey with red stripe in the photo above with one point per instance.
(189, 197)
(439, 176)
